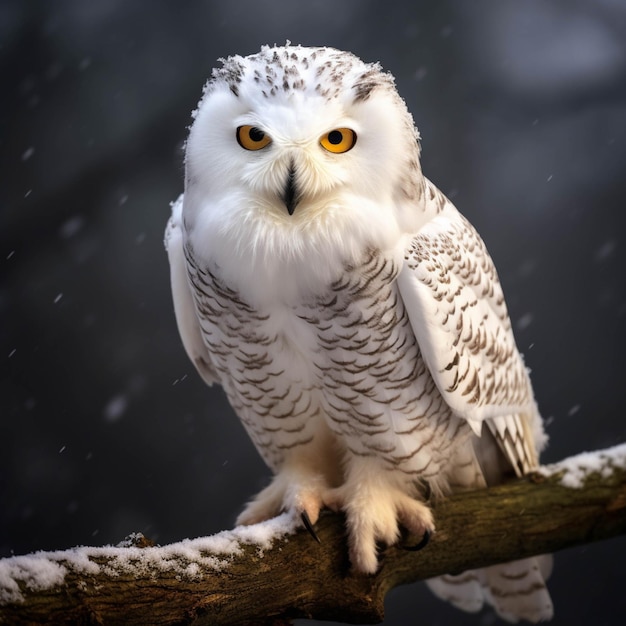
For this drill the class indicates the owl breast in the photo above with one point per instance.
(343, 359)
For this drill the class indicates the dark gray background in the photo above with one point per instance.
(105, 428)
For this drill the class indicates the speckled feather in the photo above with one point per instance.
(362, 340)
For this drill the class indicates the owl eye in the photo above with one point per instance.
(338, 140)
(252, 138)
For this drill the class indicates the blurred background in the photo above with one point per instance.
(105, 428)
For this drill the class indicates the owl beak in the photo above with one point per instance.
(290, 195)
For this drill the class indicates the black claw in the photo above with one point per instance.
(422, 544)
(428, 492)
(306, 520)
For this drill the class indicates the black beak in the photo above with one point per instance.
(289, 197)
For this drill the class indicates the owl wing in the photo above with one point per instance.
(456, 307)
(184, 306)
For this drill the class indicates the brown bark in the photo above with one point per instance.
(298, 577)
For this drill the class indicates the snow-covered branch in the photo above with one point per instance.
(260, 573)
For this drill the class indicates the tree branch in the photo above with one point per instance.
(270, 571)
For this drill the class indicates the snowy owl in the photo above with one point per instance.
(351, 314)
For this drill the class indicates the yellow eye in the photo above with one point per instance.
(252, 138)
(338, 140)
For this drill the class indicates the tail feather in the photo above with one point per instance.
(463, 591)
(516, 590)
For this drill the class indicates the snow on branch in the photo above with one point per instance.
(274, 571)
(575, 470)
(136, 557)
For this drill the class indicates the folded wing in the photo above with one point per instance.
(184, 306)
(457, 311)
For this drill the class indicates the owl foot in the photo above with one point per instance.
(301, 496)
(376, 512)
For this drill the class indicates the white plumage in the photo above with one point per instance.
(353, 317)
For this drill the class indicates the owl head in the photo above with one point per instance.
(298, 146)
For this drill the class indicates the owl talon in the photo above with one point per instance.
(306, 520)
(420, 545)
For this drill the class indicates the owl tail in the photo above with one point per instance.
(516, 590)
